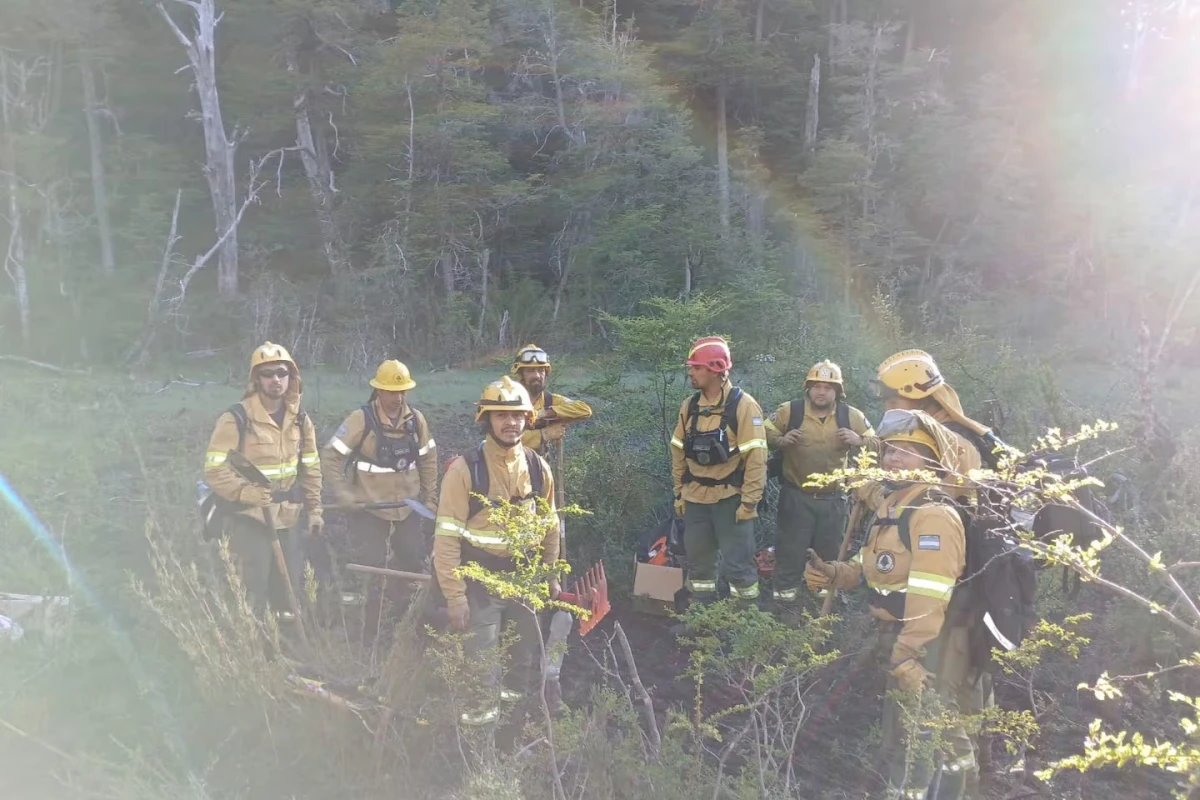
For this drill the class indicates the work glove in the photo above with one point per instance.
(256, 496)
(911, 676)
(554, 432)
(680, 507)
(555, 588)
(459, 613)
(746, 512)
(316, 526)
(819, 574)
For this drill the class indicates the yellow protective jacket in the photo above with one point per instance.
(508, 477)
(911, 586)
(362, 481)
(565, 411)
(749, 440)
(276, 451)
(821, 452)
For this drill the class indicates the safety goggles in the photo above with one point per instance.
(280, 372)
(533, 357)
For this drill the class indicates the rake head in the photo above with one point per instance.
(591, 594)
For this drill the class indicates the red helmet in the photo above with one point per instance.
(711, 352)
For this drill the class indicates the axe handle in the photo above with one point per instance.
(851, 525)
(560, 500)
(281, 563)
(390, 573)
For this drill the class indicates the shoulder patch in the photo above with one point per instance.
(756, 421)
(927, 542)
(342, 432)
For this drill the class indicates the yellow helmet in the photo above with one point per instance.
(825, 372)
(392, 376)
(910, 373)
(269, 353)
(531, 357)
(908, 426)
(504, 394)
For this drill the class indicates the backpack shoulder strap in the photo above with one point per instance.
(480, 481)
(729, 412)
(904, 523)
(537, 476)
(238, 412)
(693, 412)
(795, 414)
(547, 399)
(842, 413)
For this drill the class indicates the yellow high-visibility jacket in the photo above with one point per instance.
(277, 452)
(508, 478)
(370, 483)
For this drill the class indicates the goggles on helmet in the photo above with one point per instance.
(533, 357)
(878, 390)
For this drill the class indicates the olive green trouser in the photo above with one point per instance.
(918, 767)
(489, 616)
(399, 545)
(805, 520)
(254, 558)
(711, 530)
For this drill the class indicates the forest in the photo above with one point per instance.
(1007, 184)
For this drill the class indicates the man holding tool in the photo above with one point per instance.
(379, 461)
(267, 434)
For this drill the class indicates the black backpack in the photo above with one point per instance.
(213, 507)
(996, 597)
(795, 419)
(481, 482)
(395, 453)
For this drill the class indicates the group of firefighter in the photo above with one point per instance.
(381, 466)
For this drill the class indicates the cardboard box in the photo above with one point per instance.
(658, 583)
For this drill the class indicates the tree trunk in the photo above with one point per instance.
(812, 112)
(14, 256)
(759, 13)
(446, 263)
(687, 277)
(484, 260)
(96, 149)
(910, 32)
(219, 149)
(320, 185)
(722, 160)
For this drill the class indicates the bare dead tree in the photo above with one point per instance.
(92, 114)
(220, 148)
(21, 112)
(812, 113)
(314, 155)
(253, 186)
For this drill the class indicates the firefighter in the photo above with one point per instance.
(383, 453)
(552, 412)
(465, 533)
(270, 430)
(911, 583)
(718, 463)
(814, 435)
(911, 380)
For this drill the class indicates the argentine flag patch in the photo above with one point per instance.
(929, 542)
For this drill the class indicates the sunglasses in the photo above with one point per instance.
(534, 357)
(282, 372)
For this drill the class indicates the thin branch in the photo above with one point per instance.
(647, 704)
(44, 365)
